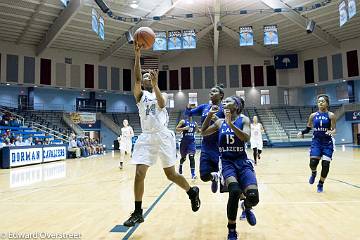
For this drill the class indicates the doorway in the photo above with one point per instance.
(356, 133)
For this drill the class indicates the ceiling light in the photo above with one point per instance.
(134, 4)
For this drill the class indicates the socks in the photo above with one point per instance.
(231, 226)
(138, 206)
(214, 175)
(321, 182)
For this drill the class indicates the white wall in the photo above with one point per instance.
(292, 79)
(58, 56)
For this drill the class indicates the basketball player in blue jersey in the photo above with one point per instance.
(237, 169)
(187, 144)
(156, 140)
(209, 157)
(323, 123)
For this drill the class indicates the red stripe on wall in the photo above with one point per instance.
(89, 76)
(246, 75)
(259, 76)
(185, 78)
(45, 71)
(174, 80)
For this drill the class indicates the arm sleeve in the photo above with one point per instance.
(195, 111)
(306, 130)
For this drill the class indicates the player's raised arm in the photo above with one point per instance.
(212, 128)
(179, 127)
(138, 76)
(242, 134)
(214, 109)
(194, 111)
(332, 130)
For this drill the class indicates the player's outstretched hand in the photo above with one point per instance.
(214, 109)
(154, 73)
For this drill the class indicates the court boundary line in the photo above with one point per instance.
(132, 230)
(350, 184)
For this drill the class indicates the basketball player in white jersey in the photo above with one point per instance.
(256, 140)
(125, 142)
(156, 140)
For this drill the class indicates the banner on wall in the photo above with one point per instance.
(271, 36)
(160, 43)
(343, 17)
(189, 39)
(83, 117)
(351, 8)
(286, 61)
(246, 36)
(174, 40)
(352, 116)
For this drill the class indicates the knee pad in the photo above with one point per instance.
(182, 160)
(325, 167)
(313, 163)
(233, 201)
(252, 197)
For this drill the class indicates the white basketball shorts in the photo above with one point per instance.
(151, 146)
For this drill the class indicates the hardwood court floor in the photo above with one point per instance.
(92, 196)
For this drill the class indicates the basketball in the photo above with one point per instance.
(145, 37)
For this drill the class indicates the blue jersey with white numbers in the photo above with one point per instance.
(230, 146)
(189, 135)
(321, 124)
(209, 143)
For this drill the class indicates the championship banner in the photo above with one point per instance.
(246, 36)
(189, 39)
(25, 156)
(351, 8)
(271, 36)
(174, 40)
(83, 117)
(343, 16)
(54, 153)
(94, 21)
(101, 28)
(160, 43)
